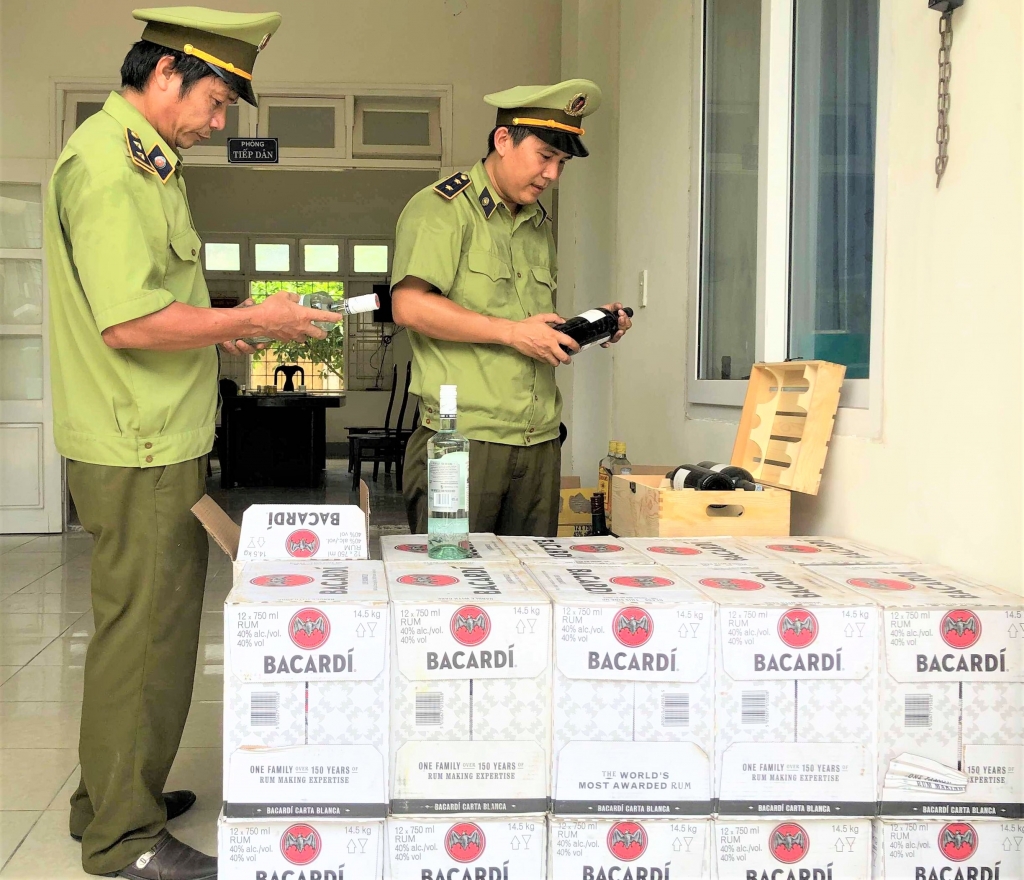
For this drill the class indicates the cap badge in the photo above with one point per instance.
(263, 42)
(577, 105)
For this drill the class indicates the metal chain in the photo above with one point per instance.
(945, 72)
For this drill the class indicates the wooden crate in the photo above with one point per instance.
(643, 510)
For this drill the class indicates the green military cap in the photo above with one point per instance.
(227, 41)
(552, 113)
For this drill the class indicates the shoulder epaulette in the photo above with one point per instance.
(452, 186)
(137, 152)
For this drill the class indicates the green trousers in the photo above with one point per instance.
(513, 490)
(148, 575)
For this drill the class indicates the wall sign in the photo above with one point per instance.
(252, 151)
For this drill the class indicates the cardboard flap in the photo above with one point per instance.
(224, 530)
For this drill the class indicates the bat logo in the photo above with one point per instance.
(428, 580)
(627, 841)
(960, 628)
(597, 548)
(741, 584)
(798, 628)
(300, 844)
(675, 551)
(789, 843)
(309, 629)
(465, 842)
(302, 544)
(643, 581)
(470, 625)
(958, 841)
(880, 584)
(793, 548)
(281, 580)
(632, 627)
(411, 548)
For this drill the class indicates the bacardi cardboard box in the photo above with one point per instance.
(413, 548)
(699, 552)
(306, 849)
(797, 849)
(592, 551)
(306, 680)
(471, 689)
(796, 683)
(466, 848)
(816, 550)
(951, 726)
(633, 716)
(949, 849)
(629, 849)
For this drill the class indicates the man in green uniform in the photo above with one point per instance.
(475, 273)
(134, 375)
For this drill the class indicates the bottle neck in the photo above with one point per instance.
(448, 421)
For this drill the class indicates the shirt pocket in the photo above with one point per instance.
(541, 289)
(486, 285)
(182, 265)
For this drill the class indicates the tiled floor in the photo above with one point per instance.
(45, 625)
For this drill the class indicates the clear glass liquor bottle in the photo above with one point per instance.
(448, 485)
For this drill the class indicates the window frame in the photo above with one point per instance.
(342, 112)
(431, 106)
(861, 402)
(69, 109)
(244, 256)
(370, 276)
(343, 263)
(256, 273)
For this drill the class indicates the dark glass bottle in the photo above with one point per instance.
(691, 476)
(592, 327)
(600, 526)
(741, 477)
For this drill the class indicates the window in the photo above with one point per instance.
(79, 106)
(320, 257)
(787, 225)
(222, 256)
(407, 128)
(305, 127)
(273, 256)
(371, 258)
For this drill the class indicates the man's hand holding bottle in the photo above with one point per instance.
(550, 339)
(281, 317)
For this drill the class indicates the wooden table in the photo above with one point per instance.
(275, 439)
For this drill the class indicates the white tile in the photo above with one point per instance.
(7, 672)
(61, 801)
(14, 825)
(47, 853)
(39, 726)
(69, 546)
(59, 580)
(29, 778)
(203, 728)
(42, 684)
(21, 569)
(19, 650)
(28, 601)
(10, 542)
(37, 625)
(67, 650)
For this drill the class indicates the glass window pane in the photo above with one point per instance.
(21, 292)
(370, 258)
(273, 258)
(85, 109)
(396, 128)
(320, 257)
(21, 368)
(224, 256)
(728, 259)
(836, 63)
(21, 215)
(230, 130)
(302, 126)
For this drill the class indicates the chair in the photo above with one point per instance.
(226, 388)
(386, 445)
(367, 429)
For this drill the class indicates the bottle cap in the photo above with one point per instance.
(447, 400)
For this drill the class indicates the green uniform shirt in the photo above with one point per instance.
(457, 237)
(120, 245)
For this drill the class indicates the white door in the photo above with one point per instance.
(31, 471)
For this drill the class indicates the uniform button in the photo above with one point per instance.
(531, 430)
(149, 458)
(193, 252)
(150, 445)
(519, 274)
(535, 398)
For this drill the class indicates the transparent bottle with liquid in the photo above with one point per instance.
(448, 485)
(620, 465)
(604, 469)
(353, 305)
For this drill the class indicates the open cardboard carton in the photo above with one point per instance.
(575, 519)
(782, 439)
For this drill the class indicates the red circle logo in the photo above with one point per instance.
(880, 584)
(644, 581)
(300, 844)
(465, 842)
(598, 548)
(470, 625)
(627, 841)
(633, 627)
(675, 551)
(411, 548)
(302, 544)
(798, 628)
(428, 580)
(789, 843)
(740, 584)
(793, 548)
(309, 629)
(960, 628)
(281, 580)
(958, 841)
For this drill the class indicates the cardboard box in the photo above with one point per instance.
(471, 689)
(817, 550)
(473, 846)
(952, 691)
(575, 519)
(796, 679)
(303, 849)
(413, 548)
(306, 690)
(655, 849)
(793, 849)
(948, 849)
(633, 717)
(697, 552)
(596, 551)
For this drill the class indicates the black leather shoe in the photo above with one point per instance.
(171, 859)
(177, 802)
